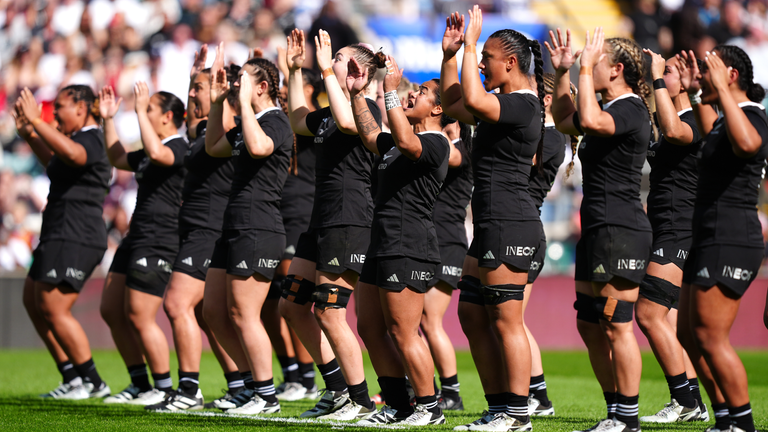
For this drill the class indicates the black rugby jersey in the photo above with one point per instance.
(612, 168)
(76, 199)
(156, 218)
(554, 155)
(343, 173)
(257, 184)
(501, 159)
(450, 209)
(402, 222)
(726, 196)
(303, 182)
(673, 180)
(206, 186)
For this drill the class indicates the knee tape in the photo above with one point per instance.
(470, 283)
(331, 296)
(498, 294)
(586, 309)
(297, 289)
(613, 310)
(660, 291)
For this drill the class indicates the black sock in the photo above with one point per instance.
(189, 382)
(680, 390)
(163, 381)
(497, 402)
(359, 394)
(722, 416)
(610, 403)
(87, 372)
(247, 380)
(430, 403)
(741, 417)
(266, 390)
(234, 380)
(627, 409)
(538, 389)
(517, 407)
(395, 394)
(139, 377)
(68, 371)
(290, 368)
(331, 372)
(307, 372)
(450, 387)
(693, 384)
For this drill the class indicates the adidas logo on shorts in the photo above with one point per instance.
(659, 252)
(291, 249)
(142, 262)
(489, 255)
(600, 269)
(242, 265)
(51, 274)
(703, 273)
(206, 263)
(393, 278)
(187, 261)
(334, 262)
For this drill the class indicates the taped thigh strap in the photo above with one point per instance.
(613, 310)
(298, 290)
(331, 296)
(470, 283)
(586, 309)
(498, 294)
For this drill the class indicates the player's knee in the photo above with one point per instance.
(330, 296)
(586, 309)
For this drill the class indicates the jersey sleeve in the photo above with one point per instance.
(518, 109)
(179, 147)
(435, 150)
(274, 128)
(134, 159)
(384, 142)
(93, 143)
(375, 110)
(628, 115)
(233, 134)
(758, 120)
(689, 119)
(315, 119)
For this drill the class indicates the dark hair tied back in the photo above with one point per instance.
(169, 102)
(736, 58)
(368, 59)
(84, 93)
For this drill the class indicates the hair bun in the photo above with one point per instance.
(380, 59)
(756, 92)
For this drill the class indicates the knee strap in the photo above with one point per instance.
(470, 283)
(613, 310)
(297, 289)
(331, 296)
(660, 289)
(586, 309)
(498, 294)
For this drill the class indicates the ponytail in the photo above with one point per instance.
(538, 70)
(736, 58)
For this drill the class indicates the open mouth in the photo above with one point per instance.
(409, 104)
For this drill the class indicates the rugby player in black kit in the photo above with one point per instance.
(510, 132)
(727, 247)
(670, 208)
(404, 251)
(73, 237)
(330, 255)
(133, 291)
(613, 252)
(253, 237)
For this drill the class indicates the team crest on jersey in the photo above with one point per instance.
(324, 126)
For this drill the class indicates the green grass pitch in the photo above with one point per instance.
(571, 385)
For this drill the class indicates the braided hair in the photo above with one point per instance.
(265, 70)
(736, 58)
(368, 59)
(526, 50)
(84, 93)
(549, 88)
(629, 54)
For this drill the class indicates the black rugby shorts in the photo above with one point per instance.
(608, 251)
(397, 273)
(146, 269)
(671, 247)
(335, 249)
(297, 212)
(63, 263)
(195, 250)
(249, 251)
(514, 243)
(538, 259)
(732, 267)
(450, 267)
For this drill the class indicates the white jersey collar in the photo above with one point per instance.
(170, 138)
(679, 113)
(752, 104)
(624, 96)
(261, 113)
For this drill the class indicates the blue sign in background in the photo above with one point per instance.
(417, 44)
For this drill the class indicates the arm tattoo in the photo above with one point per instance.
(368, 124)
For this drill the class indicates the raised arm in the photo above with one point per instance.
(561, 54)
(197, 66)
(70, 152)
(26, 131)
(108, 107)
(297, 102)
(450, 87)
(340, 107)
(258, 143)
(357, 79)
(674, 130)
(705, 115)
(157, 153)
(402, 132)
(594, 121)
(216, 143)
(745, 140)
(476, 100)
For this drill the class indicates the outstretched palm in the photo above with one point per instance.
(108, 106)
(689, 71)
(295, 54)
(357, 77)
(560, 52)
(199, 64)
(453, 37)
(219, 86)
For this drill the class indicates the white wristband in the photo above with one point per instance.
(695, 99)
(391, 100)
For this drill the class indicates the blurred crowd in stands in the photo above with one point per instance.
(48, 44)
